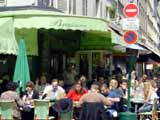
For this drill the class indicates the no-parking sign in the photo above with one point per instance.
(130, 37)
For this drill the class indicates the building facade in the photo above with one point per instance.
(94, 8)
(149, 22)
(148, 13)
(148, 16)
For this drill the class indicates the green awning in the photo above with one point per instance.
(56, 20)
(30, 37)
(8, 44)
(117, 39)
(28, 21)
(96, 41)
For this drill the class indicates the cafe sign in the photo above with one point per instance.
(62, 22)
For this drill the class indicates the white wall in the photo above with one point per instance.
(20, 2)
(91, 8)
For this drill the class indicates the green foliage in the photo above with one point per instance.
(112, 12)
(156, 71)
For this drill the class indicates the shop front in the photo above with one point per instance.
(52, 38)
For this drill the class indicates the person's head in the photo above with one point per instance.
(78, 87)
(153, 84)
(104, 89)
(101, 79)
(29, 86)
(54, 84)
(101, 63)
(70, 67)
(83, 79)
(43, 79)
(12, 86)
(113, 84)
(124, 84)
(144, 78)
(95, 88)
(61, 81)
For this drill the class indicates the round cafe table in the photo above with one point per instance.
(137, 102)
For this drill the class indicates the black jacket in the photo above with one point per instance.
(35, 94)
(93, 111)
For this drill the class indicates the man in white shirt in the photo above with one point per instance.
(53, 91)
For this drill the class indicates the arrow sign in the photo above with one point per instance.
(131, 10)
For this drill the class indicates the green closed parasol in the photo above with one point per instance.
(21, 72)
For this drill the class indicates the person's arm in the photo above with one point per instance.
(114, 99)
(81, 101)
(70, 93)
(19, 101)
(105, 100)
(64, 94)
(148, 96)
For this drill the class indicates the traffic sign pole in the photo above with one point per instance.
(130, 37)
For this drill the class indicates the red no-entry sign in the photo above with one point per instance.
(131, 10)
(130, 37)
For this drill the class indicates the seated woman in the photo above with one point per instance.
(28, 97)
(11, 94)
(76, 93)
(149, 99)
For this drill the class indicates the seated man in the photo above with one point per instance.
(92, 104)
(53, 92)
(114, 98)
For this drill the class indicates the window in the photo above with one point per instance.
(71, 6)
(74, 6)
(62, 5)
(97, 4)
(2, 3)
(99, 9)
(84, 7)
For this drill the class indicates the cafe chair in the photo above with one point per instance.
(42, 110)
(93, 111)
(65, 116)
(64, 108)
(153, 114)
(6, 110)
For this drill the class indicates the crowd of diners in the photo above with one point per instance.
(110, 96)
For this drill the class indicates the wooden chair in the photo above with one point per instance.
(6, 110)
(41, 110)
(65, 116)
(153, 114)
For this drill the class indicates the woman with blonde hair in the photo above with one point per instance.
(149, 98)
(146, 89)
(113, 84)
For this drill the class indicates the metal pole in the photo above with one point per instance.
(129, 91)
(132, 61)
